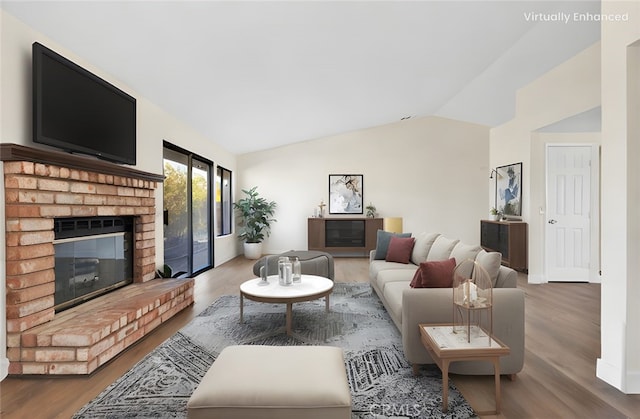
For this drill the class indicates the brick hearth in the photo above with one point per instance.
(38, 189)
(81, 339)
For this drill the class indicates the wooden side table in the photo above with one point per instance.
(445, 347)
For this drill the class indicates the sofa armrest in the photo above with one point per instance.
(423, 305)
(434, 305)
(372, 255)
(507, 278)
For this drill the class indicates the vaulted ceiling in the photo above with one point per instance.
(256, 75)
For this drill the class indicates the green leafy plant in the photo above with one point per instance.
(493, 211)
(371, 210)
(167, 272)
(255, 215)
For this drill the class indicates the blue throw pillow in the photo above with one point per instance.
(382, 244)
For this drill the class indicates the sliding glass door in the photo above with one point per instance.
(187, 203)
(201, 214)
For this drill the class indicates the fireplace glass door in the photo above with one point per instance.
(91, 265)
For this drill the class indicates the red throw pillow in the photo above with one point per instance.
(416, 282)
(400, 249)
(435, 274)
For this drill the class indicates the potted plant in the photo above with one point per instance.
(371, 210)
(255, 215)
(495, 214)
(167, 272)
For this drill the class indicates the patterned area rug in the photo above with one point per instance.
(382, 383)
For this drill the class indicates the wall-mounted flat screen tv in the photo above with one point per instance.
(79, 112)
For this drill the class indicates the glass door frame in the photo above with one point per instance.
(210, 198)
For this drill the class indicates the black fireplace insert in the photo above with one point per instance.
(92, 257)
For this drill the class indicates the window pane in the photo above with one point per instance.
(223, 201)
(176, 219)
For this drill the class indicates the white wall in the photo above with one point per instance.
(619, 363)
(166, 127)
(154, 126)
(431, 171)
(570, 89)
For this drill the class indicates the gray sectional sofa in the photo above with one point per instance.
(409, 306)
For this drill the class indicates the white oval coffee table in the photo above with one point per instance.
(311, 287)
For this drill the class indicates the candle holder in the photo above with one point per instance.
(472, 302)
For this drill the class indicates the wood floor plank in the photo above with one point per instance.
(562, 341)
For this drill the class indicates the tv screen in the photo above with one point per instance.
(78, 111)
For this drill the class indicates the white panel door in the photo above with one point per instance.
(568, 221)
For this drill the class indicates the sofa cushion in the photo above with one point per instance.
(490, 261)
(382, 243)
(377, 266)
(421, 248)
(434, 274)
(393, 275)
(400, 249)
(462, 252)
(441, 249)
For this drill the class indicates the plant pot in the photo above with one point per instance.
(252, 250)
(494, 217)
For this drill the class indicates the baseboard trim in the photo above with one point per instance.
(627, 382)
(537, 279)
(608, 373)
(622, 380)
(542, 279)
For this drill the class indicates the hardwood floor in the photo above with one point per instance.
(558, 379)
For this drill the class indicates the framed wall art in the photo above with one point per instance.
(509, 190)
(345, 194)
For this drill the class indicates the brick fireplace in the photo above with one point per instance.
(41, 186)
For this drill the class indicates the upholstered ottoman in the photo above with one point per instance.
(278, 382)
(312, 262)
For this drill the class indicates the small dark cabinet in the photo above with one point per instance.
(508, 238)
(343, 236)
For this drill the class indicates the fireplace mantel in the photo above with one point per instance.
(15, 152)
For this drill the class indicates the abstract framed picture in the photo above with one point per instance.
(509, 189)
(345, 194)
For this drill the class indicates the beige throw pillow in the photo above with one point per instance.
(490, 261)
(421, 248)
(462, 252)
(441, 249)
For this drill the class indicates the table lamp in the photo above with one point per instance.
(392, 224)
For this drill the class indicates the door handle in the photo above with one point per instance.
(552, 221)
